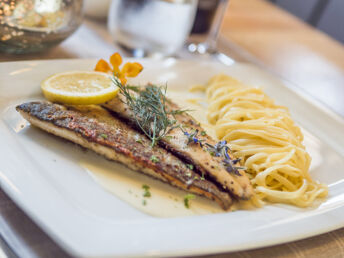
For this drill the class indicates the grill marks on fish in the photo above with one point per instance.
(212, 167)
(95, 128)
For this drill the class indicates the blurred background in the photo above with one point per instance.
(326, 15)
(28, 26)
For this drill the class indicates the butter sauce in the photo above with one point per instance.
(165, 200)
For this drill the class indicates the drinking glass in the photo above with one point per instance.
(151, 26)
(207, 26)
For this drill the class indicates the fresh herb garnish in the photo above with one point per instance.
(187, 198)
(192, 137)
(228, 163)
(190, 166)
(138, 139)
(150, 110)
(104, 136)
(154, 118)
(144, 202)
(146, 192)
(154, 159)
(133, 88)
(221, 149)
(168, 137)
(189, 174)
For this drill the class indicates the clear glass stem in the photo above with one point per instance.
(211, 39)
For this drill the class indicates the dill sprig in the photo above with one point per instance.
(150, 110)
(192, 137)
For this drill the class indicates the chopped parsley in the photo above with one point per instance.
(187, 198)
(168, 138)
(190, 166)
(154, 159)
(139, 140)
(146, 192)
(104, 136)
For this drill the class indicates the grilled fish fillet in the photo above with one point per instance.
(95, 128)
(212, 167)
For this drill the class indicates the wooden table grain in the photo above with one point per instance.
(289, 47)
(254, 31)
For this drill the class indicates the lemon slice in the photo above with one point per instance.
(79, 88)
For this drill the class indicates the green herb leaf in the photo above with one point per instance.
(179, 112)
(168, 137)
(146, 192)
(103, 135)
(154, 159)
(190, 166)
(133, 88)
(188, 173)
(144, 202)
(203, 133)
(187, 198)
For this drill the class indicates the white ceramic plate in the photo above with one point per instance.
(45, 179)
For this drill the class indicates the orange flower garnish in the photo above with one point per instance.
(128, 70)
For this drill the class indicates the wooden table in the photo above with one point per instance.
(254, 31)
(290, 48)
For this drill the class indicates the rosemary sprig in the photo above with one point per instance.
(192, 137)
(150, 110)
(221, 149)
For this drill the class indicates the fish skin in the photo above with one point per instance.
(95, 128)
(238, 186)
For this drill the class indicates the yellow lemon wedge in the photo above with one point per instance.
(79, 88)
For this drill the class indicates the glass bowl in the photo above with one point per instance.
(28, 26)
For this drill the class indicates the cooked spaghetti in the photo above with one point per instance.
(266, 139)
